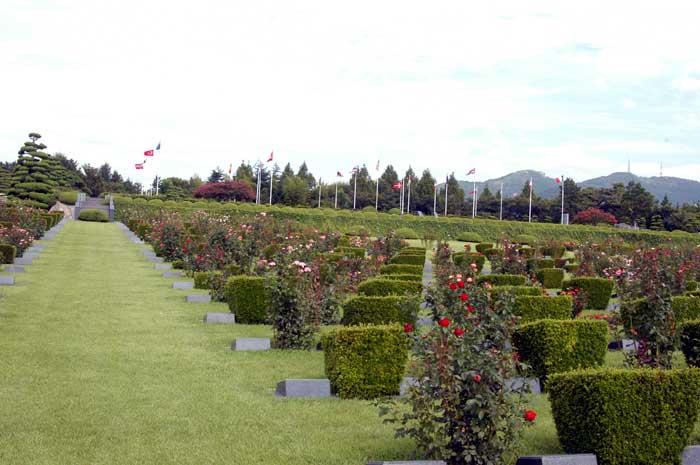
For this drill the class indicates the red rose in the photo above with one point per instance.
(184, 249)
(460, 284)
(597, 316)
(463, 297)
(459, 332)
(407, 328)
(530, 416)
(477, 378)
(444, 322)
(470, 309)
(453, 286)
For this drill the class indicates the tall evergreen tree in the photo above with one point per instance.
(425, 190)
(388, 196)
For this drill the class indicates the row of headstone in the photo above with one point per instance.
(28, 256)
(132, 237)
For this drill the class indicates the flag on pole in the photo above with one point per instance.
(230, 167)
(377, 165)
(434, 187)
(158, 148)
(530, 183)
(396, 186)
(339, 174)
(148, 153)
(472, 193)
(471, 171)
(271, 156)
(557, 180)
(139, 166)
(355, 170)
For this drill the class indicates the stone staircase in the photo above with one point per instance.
(92, 203)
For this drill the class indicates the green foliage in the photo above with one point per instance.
(534, 264)
(598, 290)
(499, 292)
(541, 307)
(525, 239)
(401, 269)
(394, 211)
(68, 198)
(503, 279)
(378, 310)
(483, 247)
(551, 278)
(690, 342)
(357, 230)
(555, 346)
(691, 286)
(400, 259)
(626, 417)
(247, 299)
(469, 236)
(406, 233)
(381, 286)
(365, 362)
(93, 215)
(571, 267)
(356, 252)
(635, 312)
(403, 277)
(7, 253)
(204, 279)
(465, 259)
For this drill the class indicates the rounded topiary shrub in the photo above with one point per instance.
(352, 252)
(93, 215)
(469, 236)
(394, 211)
(464, 259)
(406, 233)
(379, 286)
(365, 362)
(369, 209)
(401, 269)
(531, 308)
(598, 290)
(7, 253)
(626, 416)
(503, 279)
(405, 259)
(247, 299)
(525, 239)
(551, 278)
(357, 231)
(378, 310)
(68, 198)
(484, 247)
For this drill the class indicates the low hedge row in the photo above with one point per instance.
(403, 277)
(204, 279)
(365, 362)
(685, 308)
(484, 247)
(247, 299)
(353, 252)
(503, 279)
(555, 346)
(468, 236)
(378, 310)
(401, 269)
(380, 286)
(624, 416)
(534, 264)
(499, 291)
(93, 215)
(467, 258)
(7, 253)
(530, 308)
(551, 278)
(405, 259)
(598, 290)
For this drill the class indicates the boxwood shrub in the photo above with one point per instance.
(401, 269)
(7, 253)
(685, 308)
(401, 259)
(378, 310)
(484, 247)
(380, 286)
(498, 291)
(247, 299)
(468, 236)
(554, 251)
(690, 342)
(551, 278)
(352, 252)
(412, 250)
(406, 233)
(626, 416)
(365, 362)
(691, 286)
(203, 279)
(69, 198)
(525, 239)
(93, 215)
(403, 277)
(555, 346)
(530, 308)
(503, 279)
(571, 267)
(467, 258)
(598, 290)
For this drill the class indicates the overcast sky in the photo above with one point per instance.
(573, 88)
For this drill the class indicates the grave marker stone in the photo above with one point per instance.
(574, 459)
(220, 318)
(7, 280)
(23, 261)
(172, 274)
(163, 266)
(304, 388)
(183, 285)
(199, 298)
(251, 343)
(14, 269)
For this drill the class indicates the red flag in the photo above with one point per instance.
(148, 153)
(396, 186)
(471, 171)
(557, 180)
(139, 166)
(271, 156)
(339, 174)
(471, 193)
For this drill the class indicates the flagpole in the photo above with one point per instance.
(272, 175)
(500, 214)
(447, 180)
(376, 198)
(474, 198)
(320, 186)
(257, 195)
(562, 199)
(435, 200)
(401, 197)
(408, 207)
(336, 194)
(476, 203)
(354, 192)
(529, 214)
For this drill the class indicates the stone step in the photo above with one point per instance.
(220, 318)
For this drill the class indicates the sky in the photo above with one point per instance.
(568, 88)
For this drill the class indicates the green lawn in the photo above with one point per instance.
(101, 362)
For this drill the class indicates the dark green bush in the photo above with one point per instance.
(406, 233)
(408, 260)
(467, 258)
(685, 308)
(484, 247)
(378, 310)
(571, 267)
(534, 264)
(380, 286)
(412, 250)
(247, 299)
(401, 269)
(69, 198)
(690, 342)
(203, 279)
(365, 362)
(531, 308)
(527, 251)
(468, 236)
(403, 277)
(554, 251)
(551, 278)
(7, 253)
(626, 417)
(353, 252)
(503, 279)
(556, 346)
(93, 215)
(499, 291)
(691, 286)
(597, 289)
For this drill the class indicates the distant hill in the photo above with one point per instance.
(679, 190)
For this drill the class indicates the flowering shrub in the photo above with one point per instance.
(510, 261)
(18, 237)
(227, 190)
(594, 216)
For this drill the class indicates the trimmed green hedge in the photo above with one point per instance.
(404, 277)
(365, 362)
(626, 417)
(484, 247)
(352, 252)
(467, 258)
(554, 251)
(412, 250)
(503, 279)
(555, 346)
(691, 286)
(203, 279)
(534, 264)
(685, 308)
(540, 307)
(247, 299)
(93, 215)
(525, 239)
(468, 236)
(401, 269)
(68, 198)
(7, 253)
(690, 342)
(499, 291)
(380, 286)
(416, 260)
(551, 278)
(571, 267)
(378, 310)
(406, 233)
(598, 290)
